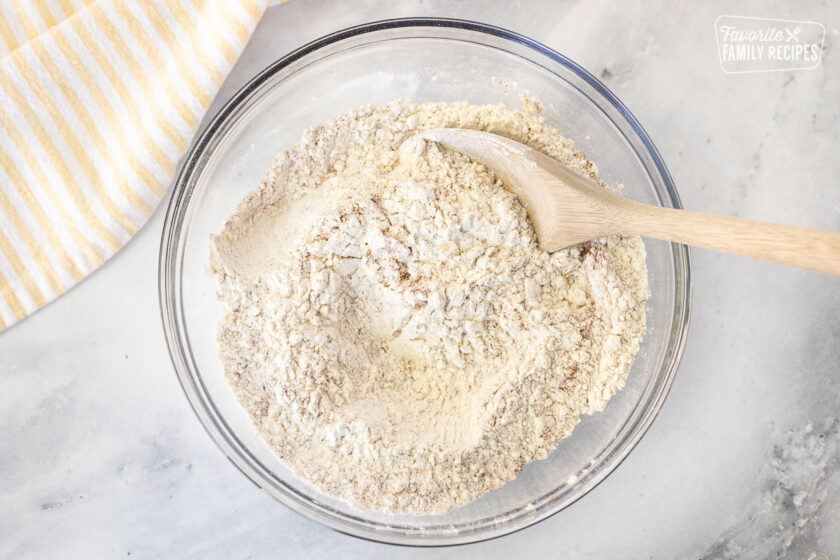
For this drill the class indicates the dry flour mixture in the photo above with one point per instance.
(390, 325)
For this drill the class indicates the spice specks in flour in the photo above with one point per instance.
(392, 328)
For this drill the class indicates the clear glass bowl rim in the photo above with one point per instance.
(212, 420)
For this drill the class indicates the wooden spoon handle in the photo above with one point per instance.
(803, 247)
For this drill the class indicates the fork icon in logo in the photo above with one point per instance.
(792, 34)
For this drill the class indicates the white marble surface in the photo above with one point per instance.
(101, 456)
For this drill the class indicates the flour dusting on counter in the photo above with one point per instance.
(390, 325)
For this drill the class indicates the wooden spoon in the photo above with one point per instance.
(567, 209)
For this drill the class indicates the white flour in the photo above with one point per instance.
(390, 325)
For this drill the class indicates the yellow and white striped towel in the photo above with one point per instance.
(99, 99)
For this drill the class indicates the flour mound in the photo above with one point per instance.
(390, 325)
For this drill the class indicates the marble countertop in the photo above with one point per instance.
(102, 457)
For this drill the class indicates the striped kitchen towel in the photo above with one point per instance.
(99, 99)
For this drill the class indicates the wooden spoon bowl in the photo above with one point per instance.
(567, 208)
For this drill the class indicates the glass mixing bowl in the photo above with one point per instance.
(424, 60)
